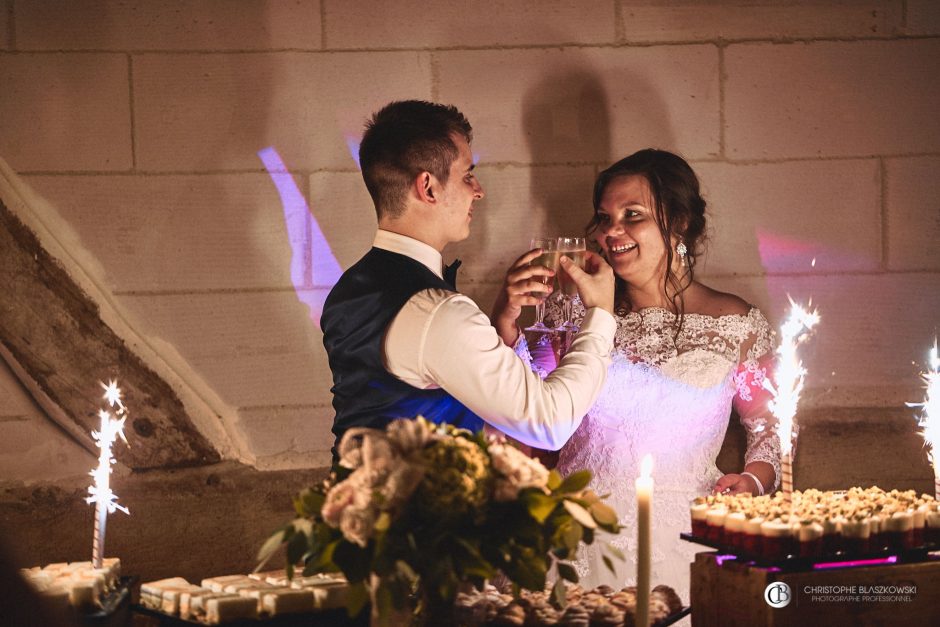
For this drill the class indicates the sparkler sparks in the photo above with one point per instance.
(105, 500)
(929, 420)
(787, 385)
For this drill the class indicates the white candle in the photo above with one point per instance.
(644, 504)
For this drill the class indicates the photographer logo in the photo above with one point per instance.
(778, 595)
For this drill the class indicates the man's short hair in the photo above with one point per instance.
(404, 139)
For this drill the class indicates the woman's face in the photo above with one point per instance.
(627, 231)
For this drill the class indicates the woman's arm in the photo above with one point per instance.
(761, 471)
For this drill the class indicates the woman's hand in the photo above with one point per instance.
(595, 283)
(522, 279)
(736, 484)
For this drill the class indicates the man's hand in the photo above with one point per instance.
(595, 283)
(521, 279)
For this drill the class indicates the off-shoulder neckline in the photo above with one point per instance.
(656, 308)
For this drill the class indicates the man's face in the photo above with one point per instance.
(458, 195)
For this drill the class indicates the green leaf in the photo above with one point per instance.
(589, 497)
(588, 537)
(575, 482)
(353, 560)
(383, 522)
(309, 503)
(323, 559)
(296, 547)
(559, 596)
(539, 505)
(572, 535)
(567, 571)
(356, 598)
(580, 514)
(528, 569)
(616, 552)
(272, 544)
(554, 480)
(603, 514)
(609, 564)
(470, 562)
(384, 598)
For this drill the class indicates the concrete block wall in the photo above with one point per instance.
(812, 123)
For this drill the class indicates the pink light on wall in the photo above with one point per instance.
(314, 269)
(786, 254)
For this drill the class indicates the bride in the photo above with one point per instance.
(685, 355)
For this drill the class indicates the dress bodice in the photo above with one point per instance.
(669, 394)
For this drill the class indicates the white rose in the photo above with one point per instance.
(409, 435)
(357, 524)
(515, 471)
(339, 498)
(401, 484)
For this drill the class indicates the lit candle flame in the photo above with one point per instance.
(112, 427)
(929, 419)
(789, 374)
(646, 467)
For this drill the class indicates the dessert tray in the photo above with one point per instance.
(794, 561)
(320, 618)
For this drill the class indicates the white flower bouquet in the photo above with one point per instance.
(425, 509)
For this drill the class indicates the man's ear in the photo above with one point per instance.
(425, 186)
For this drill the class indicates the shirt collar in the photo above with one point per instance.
(410, 247)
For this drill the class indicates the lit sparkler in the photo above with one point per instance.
(787, 385)
(112, 427)
(929, 420)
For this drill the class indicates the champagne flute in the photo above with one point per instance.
(548, 259)
(573, 248)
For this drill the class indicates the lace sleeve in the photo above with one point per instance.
(541, 350)
(751, 399)
(553, 311)
(540, 356)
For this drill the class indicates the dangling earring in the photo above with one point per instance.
(682, 250)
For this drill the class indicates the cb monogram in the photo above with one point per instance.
(778, 594)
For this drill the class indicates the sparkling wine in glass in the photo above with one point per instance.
(548, 259)
(573, 248)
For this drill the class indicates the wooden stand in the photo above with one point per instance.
(730, 593)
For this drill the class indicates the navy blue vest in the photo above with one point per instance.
(355, 317)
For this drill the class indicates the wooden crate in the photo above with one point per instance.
(731, 594)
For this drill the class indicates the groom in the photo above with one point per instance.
(402, 341)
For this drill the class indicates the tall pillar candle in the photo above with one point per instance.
(644, 506)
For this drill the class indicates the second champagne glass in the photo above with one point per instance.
(548, 259)
(573, 248)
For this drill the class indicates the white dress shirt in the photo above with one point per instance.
(441, 339)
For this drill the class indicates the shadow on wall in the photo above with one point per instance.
(567, 122)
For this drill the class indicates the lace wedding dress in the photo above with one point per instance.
(671, 397)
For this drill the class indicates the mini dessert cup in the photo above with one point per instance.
(776, 539)
(698, 510)
(715, 521)
(920, 522)
(832, 537)
(898, 531)
(810, 537)
(734, 529)
(856, 533)
(752, 535)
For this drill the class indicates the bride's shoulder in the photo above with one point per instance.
(710, 302)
